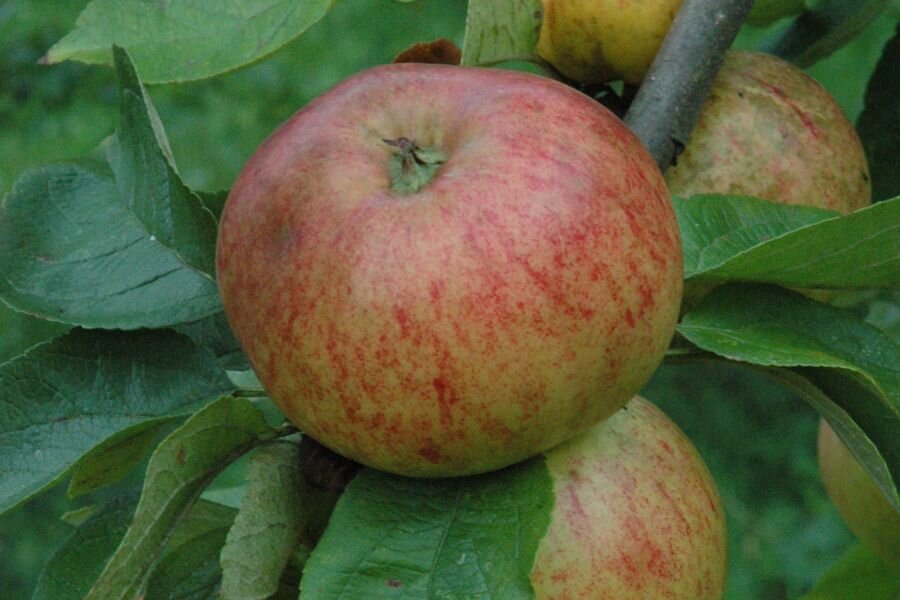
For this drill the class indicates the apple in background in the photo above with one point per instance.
(637, 515)
(771, 131)
(439, 270)
(859, 500)
(593, 41)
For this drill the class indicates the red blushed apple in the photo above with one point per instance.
(637, 515)
(440, 270)
(769, 130)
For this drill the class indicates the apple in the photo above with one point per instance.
(594, 41)
(859, 500)
(637, 515)
(771, 131)
(439, 270)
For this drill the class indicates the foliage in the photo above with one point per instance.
(120, 374)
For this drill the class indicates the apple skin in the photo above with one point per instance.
(637, 515)
(594, 41)
(771, 131)
(525, 293)
(859, 500)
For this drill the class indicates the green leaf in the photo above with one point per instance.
(191, 548)
(214, 333)
(124, 247)
(63, 398)
(70, 251)
(213, 201)
(75, 565)
(841, 358)
(77, 516)
(880, 121)
(472, 537)
(182, 40)
(766, 12)
(19, 332)
(203, 517)
(857, 414)
(858, 574)
(115, 457)
(191, 571)
(268, 525)
(750, 239)
(182, 465)
(817, 33)
(501, 31)
(148, 183)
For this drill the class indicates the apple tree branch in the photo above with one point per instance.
(669, 101)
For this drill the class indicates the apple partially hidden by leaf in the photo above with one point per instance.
(637, 515)
(862, 505)
(770, 131)
(440, 270)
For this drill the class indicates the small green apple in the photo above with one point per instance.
(637, 515)
(439, 270)
(859, 500)
(593, 41)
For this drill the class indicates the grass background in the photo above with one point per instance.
(758, 439)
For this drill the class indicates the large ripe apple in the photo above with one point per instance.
(771, 131)
(862, 505)
(637, 515)
(440, 270)
(593, 41)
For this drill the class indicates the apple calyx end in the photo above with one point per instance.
(412, 167)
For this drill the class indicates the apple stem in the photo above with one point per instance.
(413, 167)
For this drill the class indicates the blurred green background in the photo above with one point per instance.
(758, 439)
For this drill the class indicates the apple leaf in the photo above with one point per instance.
(77, 516)
(71, 252)
(268, 525)
(818, 32)
(880, 121)
(19, 331)
(750, 239)
(148, 183)
(501, 31)
(78, 562)
(855, 413)
(766, 12)
(182, 40)
(215, 334)
(213, 201)
(433, 538)
(848, 369)
(115, 457)
(858, 574)
(191, 571)
(76, 391)
(117, 246)
(183, 464)
(75, 565)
